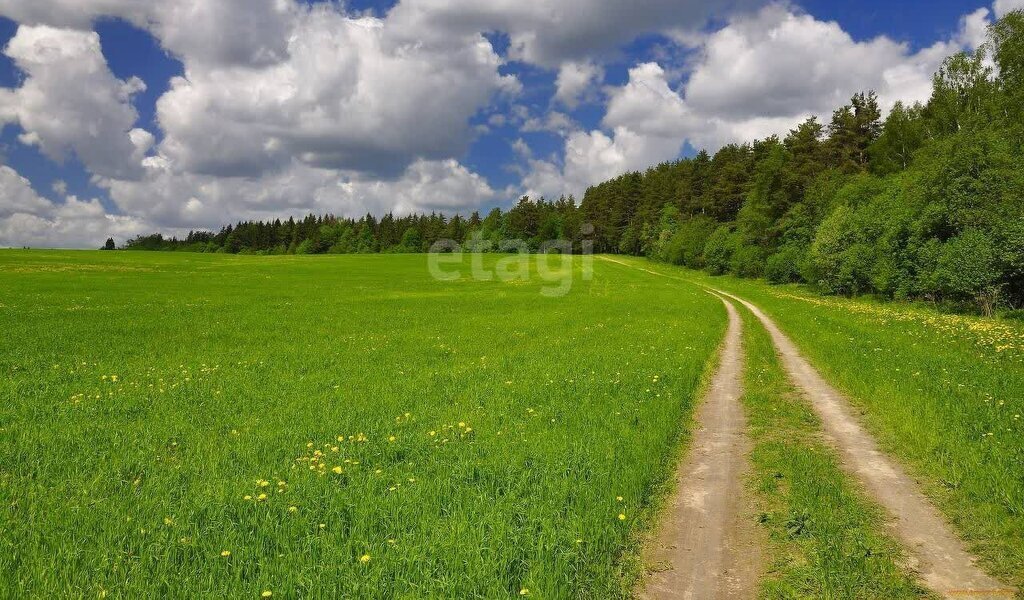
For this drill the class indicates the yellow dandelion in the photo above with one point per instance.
(391, 439)
(364, 558)
(337, 470)
(618, 498)
(266, 594)
(524, 592)
(261, 498)
(292, 509)
(225, 553)
(247, 497)
(622, 517)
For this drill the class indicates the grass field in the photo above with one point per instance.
(942, 393)
(209, 425)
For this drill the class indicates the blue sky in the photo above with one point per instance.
(119, 120)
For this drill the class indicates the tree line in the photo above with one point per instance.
(927, 203)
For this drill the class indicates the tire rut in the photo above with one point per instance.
(935, 552)
(707, 546)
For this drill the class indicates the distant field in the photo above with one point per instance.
(209, 425)
(942, 393)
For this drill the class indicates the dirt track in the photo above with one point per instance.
(936, 553)
(707, 545)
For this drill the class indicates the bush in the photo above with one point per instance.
(686, 247)
(748, 261)
(967, 270)
(784, 266)
(719, 249)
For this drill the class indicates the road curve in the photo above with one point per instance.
(936, 553)
(706, 546)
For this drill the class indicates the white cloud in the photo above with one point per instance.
(348, 97)
(759, 75)
(1002, 7)
(574, 80)
(70, 102)
(183, 200)
(553, 122)
(26, 219)
(208, 31)
(648, 122)
(285, 108)
(974, 28)
(779, 63)
(550, 32)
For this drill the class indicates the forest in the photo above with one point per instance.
(925, 202)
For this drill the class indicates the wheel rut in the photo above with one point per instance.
(707, 546)
(935, 552)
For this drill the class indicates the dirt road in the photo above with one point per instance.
(936, 553)
(707, 545)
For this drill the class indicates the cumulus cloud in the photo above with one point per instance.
(27, 219)
(348, 97)
(285, 108)
(1004, 6)
(648, 122)
(574, 80)
(71, 103)
(207, 31)
(550, 32)
(758, 76)
(188, 200)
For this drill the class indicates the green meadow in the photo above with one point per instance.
(176, 425)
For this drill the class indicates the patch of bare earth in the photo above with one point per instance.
(707, 545)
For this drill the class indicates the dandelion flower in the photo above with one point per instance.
(261, 497)
(524, 592)
(266, 594)
(622, 517)
(618, 498)
(292, 509)
(364, 558)
(337, 470)
(391, 439)
(225, 553)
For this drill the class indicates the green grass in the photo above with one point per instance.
(825, 539)
(517, 420)
(943, 393)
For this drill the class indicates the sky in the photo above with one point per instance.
(121, 117)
